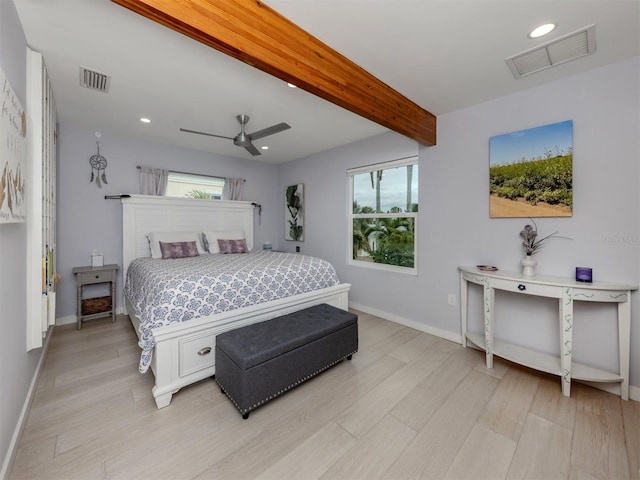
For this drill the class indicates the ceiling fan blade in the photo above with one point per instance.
(280, 127)
(204, 133)
(252, 150)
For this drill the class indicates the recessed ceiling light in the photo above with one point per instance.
(542, 30)
(264, 147)
(145, 120)
(291, 85)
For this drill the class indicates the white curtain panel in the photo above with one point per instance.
(153, 181)
(233, 188)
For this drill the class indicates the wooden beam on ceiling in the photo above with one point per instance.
(254, 33)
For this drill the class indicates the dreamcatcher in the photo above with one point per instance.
(99, 163)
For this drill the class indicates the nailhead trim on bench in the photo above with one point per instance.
(270, 397)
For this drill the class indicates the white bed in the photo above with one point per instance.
(184, 352)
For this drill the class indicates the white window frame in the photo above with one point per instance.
(351, 216)
(196, 179)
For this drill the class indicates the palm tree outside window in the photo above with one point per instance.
(383, 215)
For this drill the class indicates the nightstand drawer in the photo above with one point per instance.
(87, 278)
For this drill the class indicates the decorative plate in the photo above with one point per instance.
(487, 268)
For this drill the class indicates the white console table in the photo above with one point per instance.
(566, 291)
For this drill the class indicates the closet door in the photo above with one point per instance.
(41, 211)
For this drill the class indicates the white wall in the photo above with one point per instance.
(17, 367)
(454, 223)
(87, 221)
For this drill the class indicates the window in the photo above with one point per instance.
(194, 186)
(383, 205)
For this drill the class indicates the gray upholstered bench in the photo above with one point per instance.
(256, 363)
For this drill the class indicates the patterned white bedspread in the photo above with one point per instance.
(170, 291)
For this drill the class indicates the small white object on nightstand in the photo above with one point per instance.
(97, 260)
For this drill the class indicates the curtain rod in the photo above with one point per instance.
(189, 173)
(118, 197)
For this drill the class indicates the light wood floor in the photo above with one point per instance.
(408, 405)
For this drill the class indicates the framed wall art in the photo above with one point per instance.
(13, 155)
(294, 213)
(531, 172)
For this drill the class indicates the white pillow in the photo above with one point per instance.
(211, 238)
(156, 237)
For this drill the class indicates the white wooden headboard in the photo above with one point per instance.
(142, 214)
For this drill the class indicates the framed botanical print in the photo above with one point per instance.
(294, 213)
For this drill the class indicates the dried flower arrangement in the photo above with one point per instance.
(531, 243)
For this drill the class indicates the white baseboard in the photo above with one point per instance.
(66, 320)
(634, 392)
(17, 433)
(74, 318)
(438, 332)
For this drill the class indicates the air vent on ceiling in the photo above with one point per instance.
(94, 80)
(564, 49)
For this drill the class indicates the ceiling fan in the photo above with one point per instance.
(244, 139)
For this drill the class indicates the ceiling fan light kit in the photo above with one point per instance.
(244, 139)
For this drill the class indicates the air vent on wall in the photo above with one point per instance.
(94, 80)
(563, 49)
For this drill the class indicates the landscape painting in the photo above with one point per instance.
(531, 172)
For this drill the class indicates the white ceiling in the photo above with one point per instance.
(442, 54)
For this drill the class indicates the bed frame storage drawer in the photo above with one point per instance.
(196, 353)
